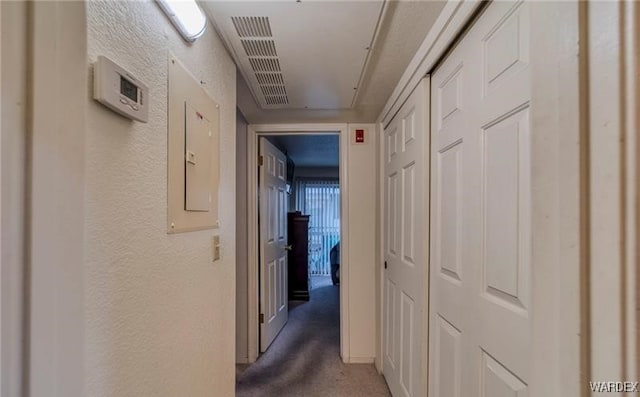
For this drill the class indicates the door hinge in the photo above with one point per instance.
(260, 161)
(261, 318)
(385, 264)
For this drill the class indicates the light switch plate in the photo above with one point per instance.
(216, 248)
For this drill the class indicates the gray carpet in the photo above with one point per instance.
(304, 360)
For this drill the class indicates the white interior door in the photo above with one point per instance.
(480, 265)
(273, 239)
(406, 242)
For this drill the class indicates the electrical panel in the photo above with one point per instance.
(193, 153)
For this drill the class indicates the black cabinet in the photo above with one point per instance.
(298, 235)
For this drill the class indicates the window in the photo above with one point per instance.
(320, 199)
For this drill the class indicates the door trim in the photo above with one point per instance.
(55, 262)
(613, 207)
(255, 131)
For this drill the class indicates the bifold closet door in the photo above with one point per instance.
(406, 245)
(480, 282)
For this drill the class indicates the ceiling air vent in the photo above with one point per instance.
(265, 64)
(276, 100)
(270, 78)
(259, 48)
(256, 37)
(273, 90)
(252, 26)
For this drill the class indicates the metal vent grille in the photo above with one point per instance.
(276, 100)
(273, 90)
(252, 26)
(256, 38)
(265, 64)
(270, 78)
(259, 48)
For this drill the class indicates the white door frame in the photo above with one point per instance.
(255, 131)
(1, 312)
(613, 234)
(55, 265)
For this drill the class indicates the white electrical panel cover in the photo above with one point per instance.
(193, 153)
(198, 136)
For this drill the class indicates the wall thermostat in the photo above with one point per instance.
(120, 91)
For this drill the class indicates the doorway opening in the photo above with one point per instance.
(298, 227)
(315, 192)
(312, 348)
(311, 189)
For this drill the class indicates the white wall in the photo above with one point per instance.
(242, 247)
(55, 198)
(159, 314)
(361, 190)
(13, 141)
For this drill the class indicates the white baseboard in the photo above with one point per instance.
(360, 360)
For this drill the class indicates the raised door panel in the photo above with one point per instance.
(448, 216)
(408, 235)
(505, 212)
(498, 381)
(391, 341)
(271, 304)
(447, 359)
(407, 343)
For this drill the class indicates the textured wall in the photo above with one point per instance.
(160, 315)
(242, 245)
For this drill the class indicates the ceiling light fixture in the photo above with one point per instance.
(186, 16)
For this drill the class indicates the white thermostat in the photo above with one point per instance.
(118, 90)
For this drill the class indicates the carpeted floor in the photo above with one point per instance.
(304, 360)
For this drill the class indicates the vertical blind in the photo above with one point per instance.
(320, 199)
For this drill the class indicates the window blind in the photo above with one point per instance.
(320, 199)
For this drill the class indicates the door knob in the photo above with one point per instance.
(288, 247)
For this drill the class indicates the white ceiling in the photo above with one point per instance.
(317, 61)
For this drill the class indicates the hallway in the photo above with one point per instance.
(304, 360)
(484, 186)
